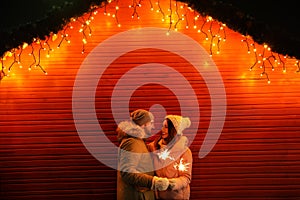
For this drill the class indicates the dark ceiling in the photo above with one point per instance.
(271, 22)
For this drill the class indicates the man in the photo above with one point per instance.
(135, 179)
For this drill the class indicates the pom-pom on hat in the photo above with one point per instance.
(180, 123)
(141, 116)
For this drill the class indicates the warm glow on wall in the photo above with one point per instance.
(242, 99)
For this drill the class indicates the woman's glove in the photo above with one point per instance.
(159, 183)
(175, 184)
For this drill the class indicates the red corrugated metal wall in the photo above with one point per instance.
(43, 157)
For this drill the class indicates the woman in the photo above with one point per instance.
(172, 158)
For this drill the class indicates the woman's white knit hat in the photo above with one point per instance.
(180, 123)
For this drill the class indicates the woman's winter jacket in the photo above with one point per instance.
(173, 161)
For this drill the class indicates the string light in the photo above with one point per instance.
(19, 56)
(39, 57)
(182, 12)
(170, 15)
(116, 14)
(49, 47)
(160, 10)
(135, 5)
(64, 36)
(178, 16)
(151, 5)
(202, 27)
(32, 54)
(265, 58)
(2, 72)
(85, 26)
(13, 51)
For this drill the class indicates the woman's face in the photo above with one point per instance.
(164, 130)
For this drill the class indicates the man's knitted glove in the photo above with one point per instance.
(159, 183)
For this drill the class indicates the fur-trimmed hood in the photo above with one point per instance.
(128, 129)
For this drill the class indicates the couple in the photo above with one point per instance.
(160, 169)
